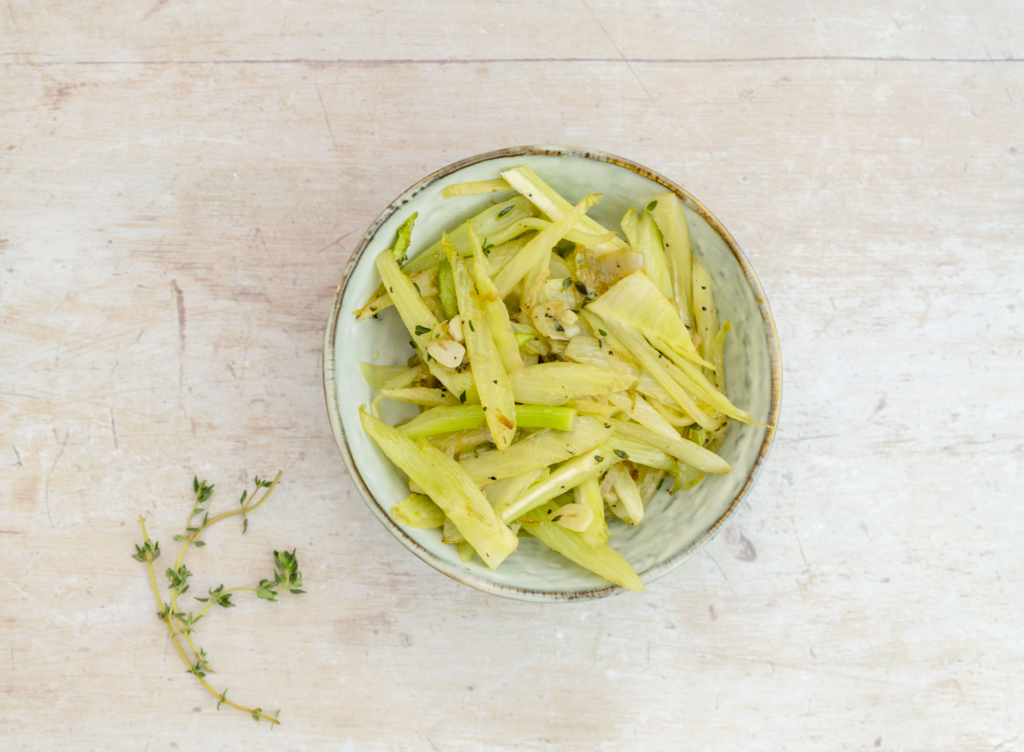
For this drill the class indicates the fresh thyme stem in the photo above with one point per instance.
(183, 630)
(286, 577)
(164, 614)
(221, 698)
(213, 603)
(246, 509)
(191, 537)
(149, 560)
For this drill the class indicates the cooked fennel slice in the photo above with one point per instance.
(380, 301)
(557, 383)
(649, 485)
(440, 420)
(669, 216)
(451, 534)
(598, 273)
(475, 188)
(636, 301)
(705, 314)
(630, 225)
(461, 441)
(589, 493)
(674, 418)
(494, 309)
(414, 312)
(564, 479)
(640, 453)
(541, 244)
(404, 379)
(629, 497)
(656, 365)
(421, 395)
(446, 290)
(649, 243)
(378, 376)
(575, 517)
(575, 235)
(418, 511)
(498, 223)
(460, 384)
(687, 451)
(466, 551)
(535, 281)
(588, 350)
(718, 355)
(592, 407)
(538, 451)
(489, 375)
(500, 255)
(604, 560)
(685, 476)
(690, 377)
(448, 485)
(503, 492)
(654, 392)
(637, 408)
(545, 198)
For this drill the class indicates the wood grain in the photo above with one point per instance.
(171, 234)
(86, 31)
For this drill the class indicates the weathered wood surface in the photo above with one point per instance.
(180, 188)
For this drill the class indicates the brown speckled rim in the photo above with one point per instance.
(462, 575)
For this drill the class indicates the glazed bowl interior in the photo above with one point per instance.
(675, 526)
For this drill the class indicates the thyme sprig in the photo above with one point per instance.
(180, 625)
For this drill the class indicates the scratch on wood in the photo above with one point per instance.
(160, 4)
(17, 454)
(258, 235)
(624, 59)
(335, 242)
(16, 394)
(724, 575)
(46, 483)
(113, 427)
(800, 545)
(179, 298)
(326, 119)
(25, 595)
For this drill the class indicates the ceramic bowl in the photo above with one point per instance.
(674, 527)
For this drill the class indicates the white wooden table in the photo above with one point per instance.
(181, 185)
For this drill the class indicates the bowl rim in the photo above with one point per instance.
(462, 575)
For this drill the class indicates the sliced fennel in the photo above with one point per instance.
(602, 560)
(440, 420)
(448, 485)
(563, 375)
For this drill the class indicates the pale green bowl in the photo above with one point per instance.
(674, 527)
